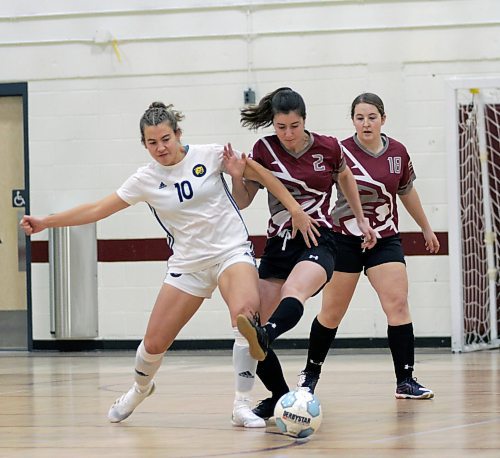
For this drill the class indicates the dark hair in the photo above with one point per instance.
(158, 113)
(282, 100)
(372, 99)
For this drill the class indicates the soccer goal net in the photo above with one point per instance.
(474, 208)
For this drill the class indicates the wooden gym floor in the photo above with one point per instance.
(55, 405)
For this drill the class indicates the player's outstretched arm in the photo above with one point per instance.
(83, 214)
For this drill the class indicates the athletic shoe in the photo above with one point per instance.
(125, 405)
(265, 408)
(411, 389)
(243, 416)
(256, 335)
(307, 381)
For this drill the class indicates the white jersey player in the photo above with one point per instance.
(187, 194)
(191, 202)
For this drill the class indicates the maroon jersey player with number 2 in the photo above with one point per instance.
(291, 271)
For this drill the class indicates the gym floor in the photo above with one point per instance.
(55, 405)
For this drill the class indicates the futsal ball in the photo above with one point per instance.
(298, 414)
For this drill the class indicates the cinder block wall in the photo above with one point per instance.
(88, 91)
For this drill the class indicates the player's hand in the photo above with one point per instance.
(32, 225)
(369, 235)
(233, 165)
(431, 241)
(306, 225)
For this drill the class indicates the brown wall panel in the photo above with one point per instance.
(157, 249)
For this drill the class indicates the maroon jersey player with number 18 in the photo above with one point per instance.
(380, 177)
(383, 170)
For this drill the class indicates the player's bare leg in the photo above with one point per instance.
(172, 310)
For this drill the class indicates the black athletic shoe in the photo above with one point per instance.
(411, 389)
(265, 408)
(256, 335)
(307, 381)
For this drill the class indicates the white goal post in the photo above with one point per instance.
(473, 148)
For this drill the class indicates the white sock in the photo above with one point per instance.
(146, 366)
(244, 368)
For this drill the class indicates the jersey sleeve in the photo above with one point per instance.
(256, 153)
(407, 177)
(341, 163)
(131, 191)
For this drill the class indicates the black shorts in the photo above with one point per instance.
(281, 254)
(352, 259)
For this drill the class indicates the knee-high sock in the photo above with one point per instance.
(244, 367)
(320, 341)
(271, 374)
(285, 317)
(146, 366)
(402, 345)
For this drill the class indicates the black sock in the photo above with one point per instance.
(320, 341)
(402, 345)
(271, 374)
(285, 317)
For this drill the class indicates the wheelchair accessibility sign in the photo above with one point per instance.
(18, 199)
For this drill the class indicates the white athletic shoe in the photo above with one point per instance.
(125, 404)
(243, 416)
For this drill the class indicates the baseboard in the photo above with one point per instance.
(226, 344)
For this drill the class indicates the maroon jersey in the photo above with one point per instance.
(309, 176)
(379, 178)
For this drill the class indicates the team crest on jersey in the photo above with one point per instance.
(199, 170)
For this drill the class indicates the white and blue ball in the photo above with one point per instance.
(298, 414)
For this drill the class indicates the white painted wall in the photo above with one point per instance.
(86, 97)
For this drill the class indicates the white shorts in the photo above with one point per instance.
(204, 282)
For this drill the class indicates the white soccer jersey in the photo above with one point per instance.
(192, 203)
